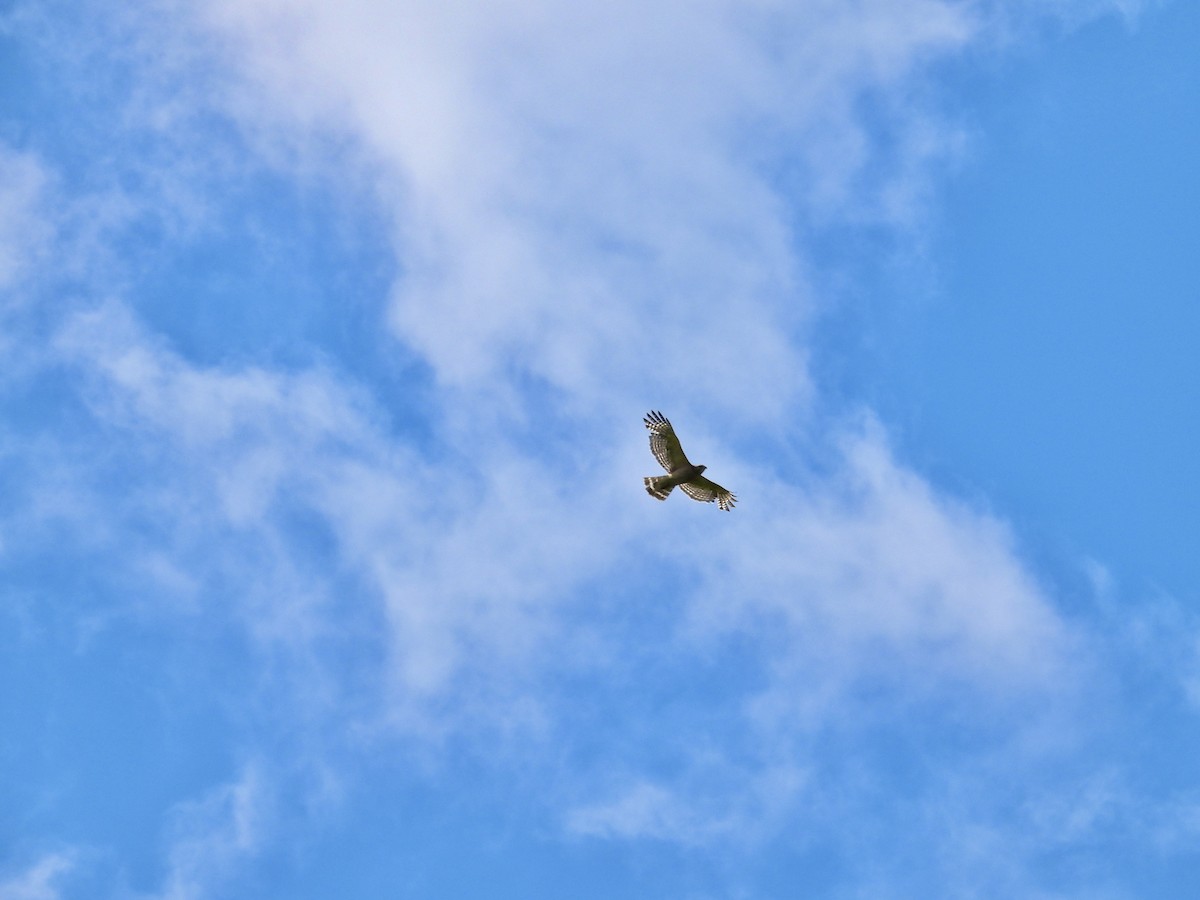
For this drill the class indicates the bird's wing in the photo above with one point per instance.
(663, 442)
(700, 488)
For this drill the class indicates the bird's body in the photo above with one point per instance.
(681, 473)
(661, 485)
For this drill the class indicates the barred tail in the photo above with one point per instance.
(656, 488)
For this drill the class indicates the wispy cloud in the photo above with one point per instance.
(25, 231)
(214, 834)
(592, 210)
(586, 197)
(41, 880)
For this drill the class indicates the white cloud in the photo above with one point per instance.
(42, 880)
(871, 604)
(601, 197)
(468, 552)
(875, 558)
(590, 194)
(605, 197)
(473, 552)
(713, 803)
(25, 228)
(1158, 631)
(215, 834)
(646, 810)
(469, 556)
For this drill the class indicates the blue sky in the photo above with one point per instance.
(327, 332)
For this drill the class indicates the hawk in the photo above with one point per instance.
(665, 447)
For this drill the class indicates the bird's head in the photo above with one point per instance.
(700, 469)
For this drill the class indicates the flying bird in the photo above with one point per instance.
(665, 447)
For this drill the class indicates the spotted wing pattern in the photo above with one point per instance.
(663, 442)
(700, 488)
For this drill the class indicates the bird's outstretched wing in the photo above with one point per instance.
(663, 442)
(700, 488)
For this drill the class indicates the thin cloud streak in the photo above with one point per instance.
(42, 880)
(25, 232)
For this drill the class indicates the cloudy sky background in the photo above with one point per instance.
(327, 330)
